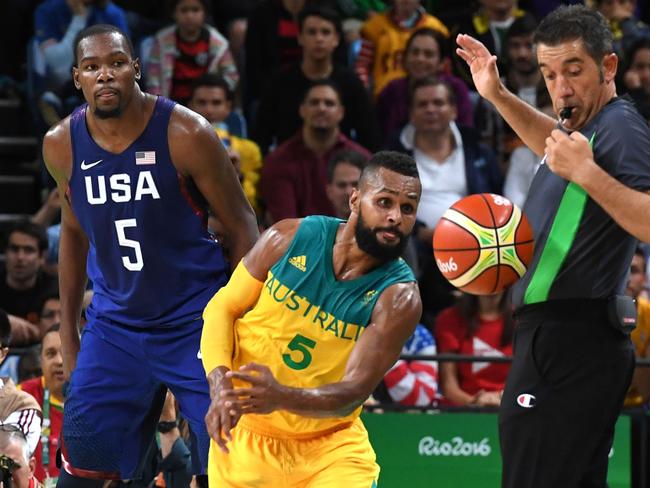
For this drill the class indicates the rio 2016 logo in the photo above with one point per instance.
(457, 446)
(448, 267)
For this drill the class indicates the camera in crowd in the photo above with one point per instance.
(7, 467)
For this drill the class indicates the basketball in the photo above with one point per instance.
(483, 243)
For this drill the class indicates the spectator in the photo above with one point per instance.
(213, 98)
(277, 116)
(294, 176)
(414, 382)
(50, 314)
(22, 283)
(47, 215)
(636, 77)
(231, 17)
(271, 43)
(13, 445)
(17, 407)
(174, 458)
(48, 392)
(452, 164)
(343, 173)
(384, 39)
(57, 22)
(524, 163)
(626, 29)
(477, 326)
(423, 58)
(489, 25)
(186, 50)
(639, 391)
(522, 77)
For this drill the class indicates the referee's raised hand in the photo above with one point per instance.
(482, 65)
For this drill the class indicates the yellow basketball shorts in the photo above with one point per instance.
(343, 458)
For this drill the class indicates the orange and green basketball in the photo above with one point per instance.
(483, 243)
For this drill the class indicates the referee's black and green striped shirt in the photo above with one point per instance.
(580, 252)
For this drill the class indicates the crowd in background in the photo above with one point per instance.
(301, 92)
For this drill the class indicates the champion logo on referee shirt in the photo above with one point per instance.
(526, 400)
(145, 157)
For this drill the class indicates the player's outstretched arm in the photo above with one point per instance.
(73, 244)
(230, 303)
(393, 321)
(531, 125)
(197, 152)
(572, 158)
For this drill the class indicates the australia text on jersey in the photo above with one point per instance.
(313, 312)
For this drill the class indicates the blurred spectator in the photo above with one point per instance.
(17, 407)
(522, 76)
(13, 445)
(186, 50)
(294, 176)
(636, 75)
(626, 28)
(423, 58)
(57, 23)
(384, 40)
(213, 98)
(489, 25)
(477, 326)
(524, 163)
(174, 458)
(277, 115)
(271, 43)
(231, 17)
(343, 173)
(48, 392)
(361, 9)
(639, 391)
(414, 382)
(452, 164)
(47, 215)
(23, 284)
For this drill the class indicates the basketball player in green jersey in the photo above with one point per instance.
(308, 325)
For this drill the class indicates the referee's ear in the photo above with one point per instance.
(609, 67)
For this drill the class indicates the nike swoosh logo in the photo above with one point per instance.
(85, 166)
(199, 355)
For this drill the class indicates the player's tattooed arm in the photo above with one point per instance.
(73, 244)
(393, 321)
(197, 153)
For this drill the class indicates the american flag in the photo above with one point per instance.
(145, 157)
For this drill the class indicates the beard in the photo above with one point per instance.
(112, 113)
(368, 242)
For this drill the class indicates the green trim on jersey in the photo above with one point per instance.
(560, 239)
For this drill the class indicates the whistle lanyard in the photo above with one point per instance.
(46, 430)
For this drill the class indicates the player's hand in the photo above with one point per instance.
(220, 419)
(265, 394)
(488, 398)
(482, 65)
(569, 156)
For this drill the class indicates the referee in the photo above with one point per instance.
(573, 359)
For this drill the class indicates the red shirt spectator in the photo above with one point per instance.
(453, 335)
(294, 176)
(48, 392)
(36, 388)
